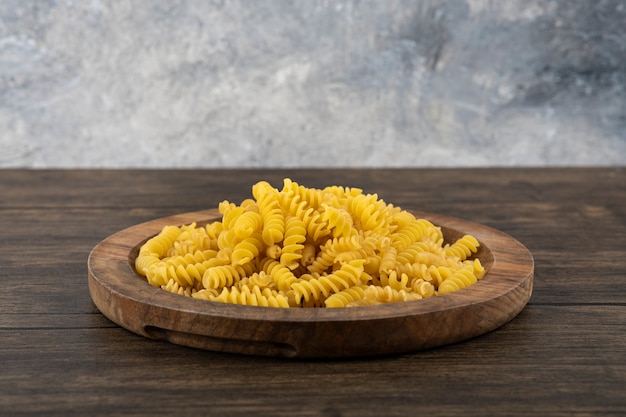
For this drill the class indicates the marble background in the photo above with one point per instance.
(197, 83)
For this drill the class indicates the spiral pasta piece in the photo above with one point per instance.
(312, 196)
(271, 212)
(430, 259)
(293, 243)
(205, 294)
(368, 211)
(410, 254)
(186, 270)
(458, 280)
(422, 287)
(190, 239)
(248, 223)
(387, 260)
(345, 297)
(214, 229)
(282, 276)
(257, 279)
(433, 274)
(338, 220)
(320, 288)
(340, 194)
(415, 231)
(316, 228)
(382, 295)
(191, 274)
(223, 276)
(159, 244)
(395, 281)
(330, 251)
(252, 297)
(227, 239)
(230, 213)
(145, 261)
(463, 247)
(175, 288)
(247, 250)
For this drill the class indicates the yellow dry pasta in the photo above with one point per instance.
(292, 247)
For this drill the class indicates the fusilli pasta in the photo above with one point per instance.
(306, 247)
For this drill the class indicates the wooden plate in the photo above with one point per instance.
(128, 300)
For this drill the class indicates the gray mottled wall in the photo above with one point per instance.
(202, 83)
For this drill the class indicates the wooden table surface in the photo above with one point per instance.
(564, 354)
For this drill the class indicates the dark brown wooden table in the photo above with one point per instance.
(564, 354)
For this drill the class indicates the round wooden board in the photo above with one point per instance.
(128, 300)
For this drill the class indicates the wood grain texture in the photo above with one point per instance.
(563, 355)
(129, 301)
